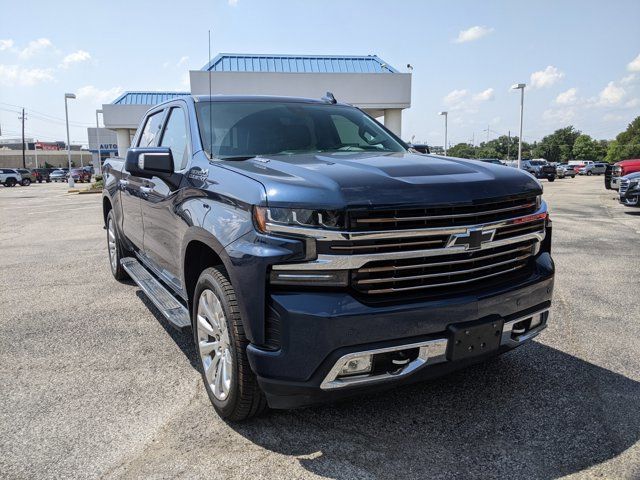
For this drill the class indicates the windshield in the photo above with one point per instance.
(537, 162)
(247, 129)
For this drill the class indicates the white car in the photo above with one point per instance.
(10, 177)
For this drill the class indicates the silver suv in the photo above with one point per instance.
(593, 169)
(9, 177)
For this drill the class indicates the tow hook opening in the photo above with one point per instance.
(528, 324)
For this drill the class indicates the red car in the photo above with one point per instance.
(80, 175)
(625, 167)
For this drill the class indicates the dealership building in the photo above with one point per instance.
(366, 82)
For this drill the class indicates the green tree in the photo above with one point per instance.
(626, 145)
(586, 148)
(462, 150)
(558, 146)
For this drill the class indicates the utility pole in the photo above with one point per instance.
(509, 145)
(23, 118)
(488, 129)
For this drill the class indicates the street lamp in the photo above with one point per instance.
(66, 115)
(520, 86)
(446, 114)
(98, 140)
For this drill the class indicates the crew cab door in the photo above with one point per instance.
(131, 185)
(163, 227)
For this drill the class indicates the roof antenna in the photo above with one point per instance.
(329, 98)
(210, 105)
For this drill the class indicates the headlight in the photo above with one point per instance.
(268, 219)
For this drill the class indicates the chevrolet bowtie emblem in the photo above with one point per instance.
(472, 239)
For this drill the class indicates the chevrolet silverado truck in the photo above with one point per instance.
(314, 257)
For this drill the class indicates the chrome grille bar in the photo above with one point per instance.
(441, 217)
(446, 284)
(439, 274)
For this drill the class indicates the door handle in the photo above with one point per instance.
(123, 183)
(146, 190)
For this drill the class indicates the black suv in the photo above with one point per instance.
(314, 257)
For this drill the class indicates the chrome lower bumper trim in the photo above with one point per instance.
(430, 352)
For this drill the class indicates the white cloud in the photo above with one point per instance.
(470, 34)
(455, 97)
(485, 95)
(182, 62)
(75, 57)
(629, 79)
(559, 116)
(634, 65)
(546, 78)
(6, 44)
(612, 117)
(233, 3)
(94, 95)
(34, 47)
(567, 98)
(633, 103)
(15, 75)
(612, 94)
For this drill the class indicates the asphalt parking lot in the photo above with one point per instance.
(96, 384)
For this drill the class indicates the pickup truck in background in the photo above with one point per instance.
(314, 256)
(620, 169)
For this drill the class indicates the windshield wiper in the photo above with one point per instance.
(238, 158)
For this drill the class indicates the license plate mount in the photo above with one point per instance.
(471, 339)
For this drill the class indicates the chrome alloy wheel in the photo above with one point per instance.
(113, 251)
(214, 345)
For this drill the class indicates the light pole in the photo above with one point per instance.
(98, 140)
(520, 86)
(446, 114)
(66, 115)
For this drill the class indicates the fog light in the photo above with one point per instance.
(356, 366)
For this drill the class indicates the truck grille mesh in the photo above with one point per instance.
(434, 217)
(443, 274)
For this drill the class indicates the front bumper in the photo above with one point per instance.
(615, 183)
(630, 197)
(317, 329)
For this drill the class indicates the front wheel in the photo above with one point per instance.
(10, 182)
(26, 182)
(589, 174)
(551, 179)
(222, 347)
(116, 251)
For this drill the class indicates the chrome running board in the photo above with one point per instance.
(174, 311)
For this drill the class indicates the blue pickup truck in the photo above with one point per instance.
(314, 255)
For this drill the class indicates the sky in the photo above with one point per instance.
(579, 59)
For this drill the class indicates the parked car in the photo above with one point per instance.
(620, 169)
(42, 175)
(629, 192)
(28, 176)
(565, 170)
(90, 169)
(58, 176)
(420, 147)
(537, 168)
(10, 177)
(608, 172)
(314, 256)
(593, 169)
(79, 175)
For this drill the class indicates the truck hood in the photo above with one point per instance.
(348, 179)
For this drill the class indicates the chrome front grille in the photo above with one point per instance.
(453, 256)
(444, 216)
(435, 274)
(624, 186)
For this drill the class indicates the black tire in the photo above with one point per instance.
(245, 399)
(551, 179)
(10, 182)
(48, 181)
(589, 173)
(117, 271)
(26, 182)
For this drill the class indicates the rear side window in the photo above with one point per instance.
(150, 134)
(175, 137)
